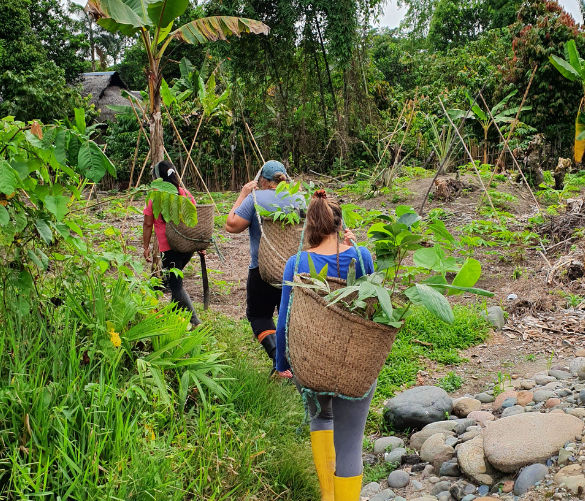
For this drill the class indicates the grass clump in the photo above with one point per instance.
(408, 354)
(451, 382)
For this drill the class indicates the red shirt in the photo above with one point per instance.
(160, 226)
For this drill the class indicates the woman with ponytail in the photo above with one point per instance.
(170, 259)
(337, 429)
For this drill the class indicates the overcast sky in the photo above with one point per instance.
(393, 15)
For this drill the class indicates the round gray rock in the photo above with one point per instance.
(528, 477)
(509, 402)
(582, 396)
(542, 379)
(441, 487)
(543, 395)
(417, 407)
(495, 316)
(512, 411)
(560, 375)
(433, 446)
(485, 398)
(395, 456)
(450, 469)
(385, 495)
(398, 479)
(386, 443)
(577, 365)
(444, 496)
(370, 489)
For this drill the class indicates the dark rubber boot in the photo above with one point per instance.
(269, 344)
(184, 301)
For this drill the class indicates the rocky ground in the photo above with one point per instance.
(521, 439)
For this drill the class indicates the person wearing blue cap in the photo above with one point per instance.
(261, 297)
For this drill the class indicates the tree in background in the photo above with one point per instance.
(542, 30)
(31, 86)
(60, 35)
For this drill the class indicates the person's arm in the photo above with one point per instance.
(367, 259)
(236, 223)
(147, 235)
(282, 365)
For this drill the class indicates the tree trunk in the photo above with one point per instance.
(156, 126)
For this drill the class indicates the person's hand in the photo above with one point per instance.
(249, 188)
(287, 374)
(147, 255)
(349, 236)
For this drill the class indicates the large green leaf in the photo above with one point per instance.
(468, 274)
(435, 302)
(8, 181)
(57, 205)
(4, 216)
(164, 12)
(80, 120)
(166, 94)
(574, 59)
(125, 16)
(61, 145)
(188, 212)
(565, 68)
(44, 230)
(211, 29)
(92, 162)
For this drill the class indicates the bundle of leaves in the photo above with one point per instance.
(386, 296)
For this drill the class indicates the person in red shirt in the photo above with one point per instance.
(170, 258)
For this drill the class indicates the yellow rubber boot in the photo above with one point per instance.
(324, 457)
(347, 489)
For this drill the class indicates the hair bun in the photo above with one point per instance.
(320, 194)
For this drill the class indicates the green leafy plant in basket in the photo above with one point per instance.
(289, 214)
(387, 295)
(173, 207)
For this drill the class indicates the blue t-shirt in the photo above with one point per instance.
(320, 261)
(267, 199)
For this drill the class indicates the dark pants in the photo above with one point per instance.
(174, 259)
(261, 301)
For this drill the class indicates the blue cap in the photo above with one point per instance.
(272, 167)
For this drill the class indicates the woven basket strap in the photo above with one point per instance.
(191, 239)
(263, 235)
(354, 243)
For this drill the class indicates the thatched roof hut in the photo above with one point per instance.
(105, 88)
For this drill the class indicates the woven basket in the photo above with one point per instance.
(285, 239)
(332, 350)
(183, 238)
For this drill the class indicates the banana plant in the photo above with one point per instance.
(573, 68)
(153, 21)
(487, 119)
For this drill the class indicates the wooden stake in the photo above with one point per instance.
(189, 159)
(193, 143)
(508, 148)
(470, 158)
(245, 157)
(256, 144)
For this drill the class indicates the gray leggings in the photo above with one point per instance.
(348, 420)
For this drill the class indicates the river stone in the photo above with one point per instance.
(398, 479)
(395, 456)
(580, 413)
(461, 489)
(527, 438)
(560, 375)
(512, 411)
(509, 402)
(433, 446)
(417, 407)
(481, 417)
(416, 485)
(485, 398)
(572, 476)
(441, 426)
(385, 495)
(564, 456)
(450, 469)
(468, 435)
(420, 437)
(543, 395)
(495, 316)
(577, 365)
(563, 392)
(528, 477)
(582, 396)
(552, 386)
(440, 487)
(527, 384)
(463, 424)
(552, 402)
(542, 379)
(370, 489)
(503, 396)
(442, 457)
(524, 397)
(463, 406)
(473, 462)
(383, 444)
(444, 496)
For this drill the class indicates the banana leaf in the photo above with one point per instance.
(580, 133)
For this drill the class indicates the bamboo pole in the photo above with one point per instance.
(506, 146)
(192, 143)
(255, 143)
(470, 158)
(189, 159)
(245, 157)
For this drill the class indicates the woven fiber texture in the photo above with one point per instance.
(182, 238)
(285, 240)
(332, 350)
